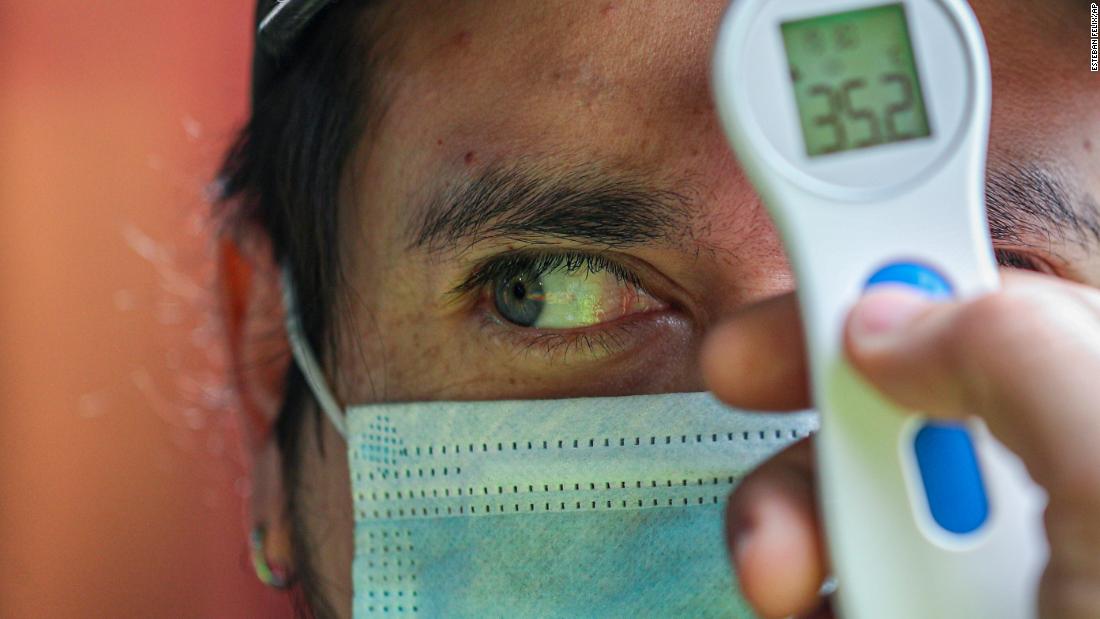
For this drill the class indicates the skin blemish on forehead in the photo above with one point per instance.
(470, 158)
(608, 9)
(1088, 146)
(455, 45)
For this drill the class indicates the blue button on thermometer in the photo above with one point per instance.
(863, 125)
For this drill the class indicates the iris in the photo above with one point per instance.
(520, 299)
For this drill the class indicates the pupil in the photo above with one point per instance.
(519, 290)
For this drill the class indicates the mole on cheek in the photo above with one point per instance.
(1088, 146)
(470, 158)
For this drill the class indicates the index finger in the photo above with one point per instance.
(756, 359)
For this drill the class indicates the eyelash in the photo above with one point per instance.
(598, 341)
(520, 263)
(607, 337)
(1019, 260)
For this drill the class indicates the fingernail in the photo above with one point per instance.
(880, 319)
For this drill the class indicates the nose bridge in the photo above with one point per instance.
(739, 257)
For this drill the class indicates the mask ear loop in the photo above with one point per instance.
(304, 357)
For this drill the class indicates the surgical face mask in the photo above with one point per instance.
(593, 507)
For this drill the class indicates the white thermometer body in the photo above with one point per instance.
(863, 124)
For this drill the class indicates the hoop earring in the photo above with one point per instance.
(276, 577)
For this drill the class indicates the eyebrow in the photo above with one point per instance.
(1027, 205)
(1030, 203)
(573, 204)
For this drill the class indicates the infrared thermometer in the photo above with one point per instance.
(863, 124)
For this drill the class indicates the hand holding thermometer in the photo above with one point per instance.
(863, 124)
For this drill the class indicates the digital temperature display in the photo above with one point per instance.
(855, 80)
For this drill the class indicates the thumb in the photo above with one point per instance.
(1026, 359)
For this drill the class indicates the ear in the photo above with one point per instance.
(252, 320)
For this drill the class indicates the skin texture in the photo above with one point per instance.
(620, 89)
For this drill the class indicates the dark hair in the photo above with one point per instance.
(283, 175)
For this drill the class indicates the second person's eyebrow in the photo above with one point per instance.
(572, 204)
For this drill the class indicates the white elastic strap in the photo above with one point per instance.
(304, 357)
(273, 14)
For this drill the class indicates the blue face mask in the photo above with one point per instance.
(596, 507)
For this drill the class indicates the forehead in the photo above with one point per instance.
(623, 83)
(501, 77)
(570, 72)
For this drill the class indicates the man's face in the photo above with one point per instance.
(548, 207)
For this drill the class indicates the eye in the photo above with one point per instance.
(564, 291)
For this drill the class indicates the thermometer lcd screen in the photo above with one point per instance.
(855, 80)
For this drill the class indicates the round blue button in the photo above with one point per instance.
(916, 275)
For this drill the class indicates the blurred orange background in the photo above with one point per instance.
(122, 485)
